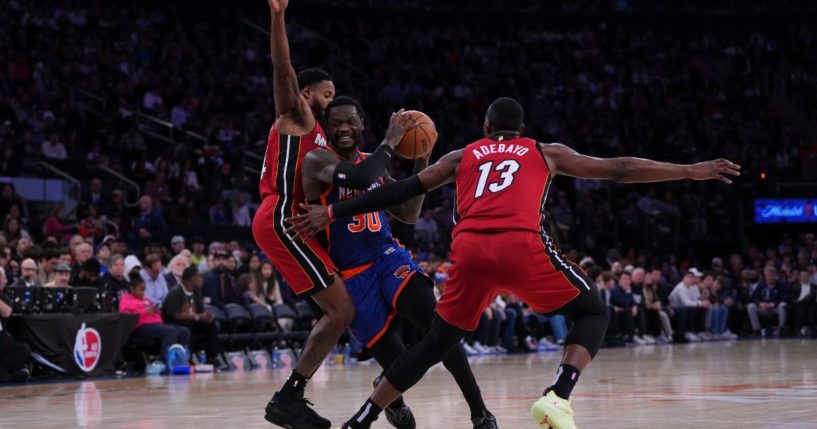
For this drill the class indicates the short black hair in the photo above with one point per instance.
(345, 100)
(312, 76)
(506, 114)
(50, 253)
(134, 278)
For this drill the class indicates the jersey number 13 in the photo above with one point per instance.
(506, 168)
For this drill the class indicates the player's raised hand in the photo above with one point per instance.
(399, 123)
(306, 225)
(715, 169)
(277, 6)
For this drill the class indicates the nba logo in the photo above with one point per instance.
(87, 348)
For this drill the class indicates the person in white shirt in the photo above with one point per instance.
(684, 302)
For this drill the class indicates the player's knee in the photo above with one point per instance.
(341, 312)
(444, 336)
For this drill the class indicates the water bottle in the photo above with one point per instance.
(347, 351)
(202, 357)
(276, 358)
(155, 368)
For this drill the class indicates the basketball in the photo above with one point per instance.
(419, 139)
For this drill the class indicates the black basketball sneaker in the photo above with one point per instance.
(294, 414)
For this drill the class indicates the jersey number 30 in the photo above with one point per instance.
(362, 222)
(507, 168)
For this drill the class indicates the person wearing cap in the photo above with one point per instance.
(177, 244)
(184, 305)
(684, 302)
(62, 275)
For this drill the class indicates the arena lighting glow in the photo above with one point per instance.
(787, 210)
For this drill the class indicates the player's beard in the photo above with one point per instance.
(318, 112)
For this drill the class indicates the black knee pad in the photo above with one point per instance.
(590, 325)
(413, 364)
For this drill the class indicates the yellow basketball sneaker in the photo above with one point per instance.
(551, 411)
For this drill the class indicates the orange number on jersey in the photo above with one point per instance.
(361, 222)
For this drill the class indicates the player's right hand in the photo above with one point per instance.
(277, 6)
(717, 169)
(399, 123)
(306, 225)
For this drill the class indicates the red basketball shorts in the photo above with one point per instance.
(306, 266)
(521, 263)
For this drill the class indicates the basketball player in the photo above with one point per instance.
(299, 102)
(379, 273)
(500, 245)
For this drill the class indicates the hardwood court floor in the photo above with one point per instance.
(711, 385)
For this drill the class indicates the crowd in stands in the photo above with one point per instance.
(605, 90)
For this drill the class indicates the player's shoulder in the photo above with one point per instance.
(319, 156)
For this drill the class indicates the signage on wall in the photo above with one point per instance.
(787, 210)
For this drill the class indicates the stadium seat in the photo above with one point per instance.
(263, 318)
(238, 318)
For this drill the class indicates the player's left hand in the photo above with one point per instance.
(277, 6)
(715, 169)
(306, 225)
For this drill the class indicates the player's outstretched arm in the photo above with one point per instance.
(409, 211)
(317, 218)
(566, 161)
(324, 167)
(288, 100)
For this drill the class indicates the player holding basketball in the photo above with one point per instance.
(307, 268)
(379, 274)
(500, 244)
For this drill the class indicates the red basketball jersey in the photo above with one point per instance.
(501, 186)
(281, 172)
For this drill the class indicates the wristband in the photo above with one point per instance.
(330, 212)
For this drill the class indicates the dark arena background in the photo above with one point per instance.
(133, 136)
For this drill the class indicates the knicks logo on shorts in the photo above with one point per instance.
(402, 272)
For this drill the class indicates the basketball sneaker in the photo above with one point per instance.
(488, 421)
(294, 414)
(551, 411)
(399, 416)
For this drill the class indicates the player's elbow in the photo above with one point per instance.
(622, 171)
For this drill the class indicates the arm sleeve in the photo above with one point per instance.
(381, 198)
(361, 176)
